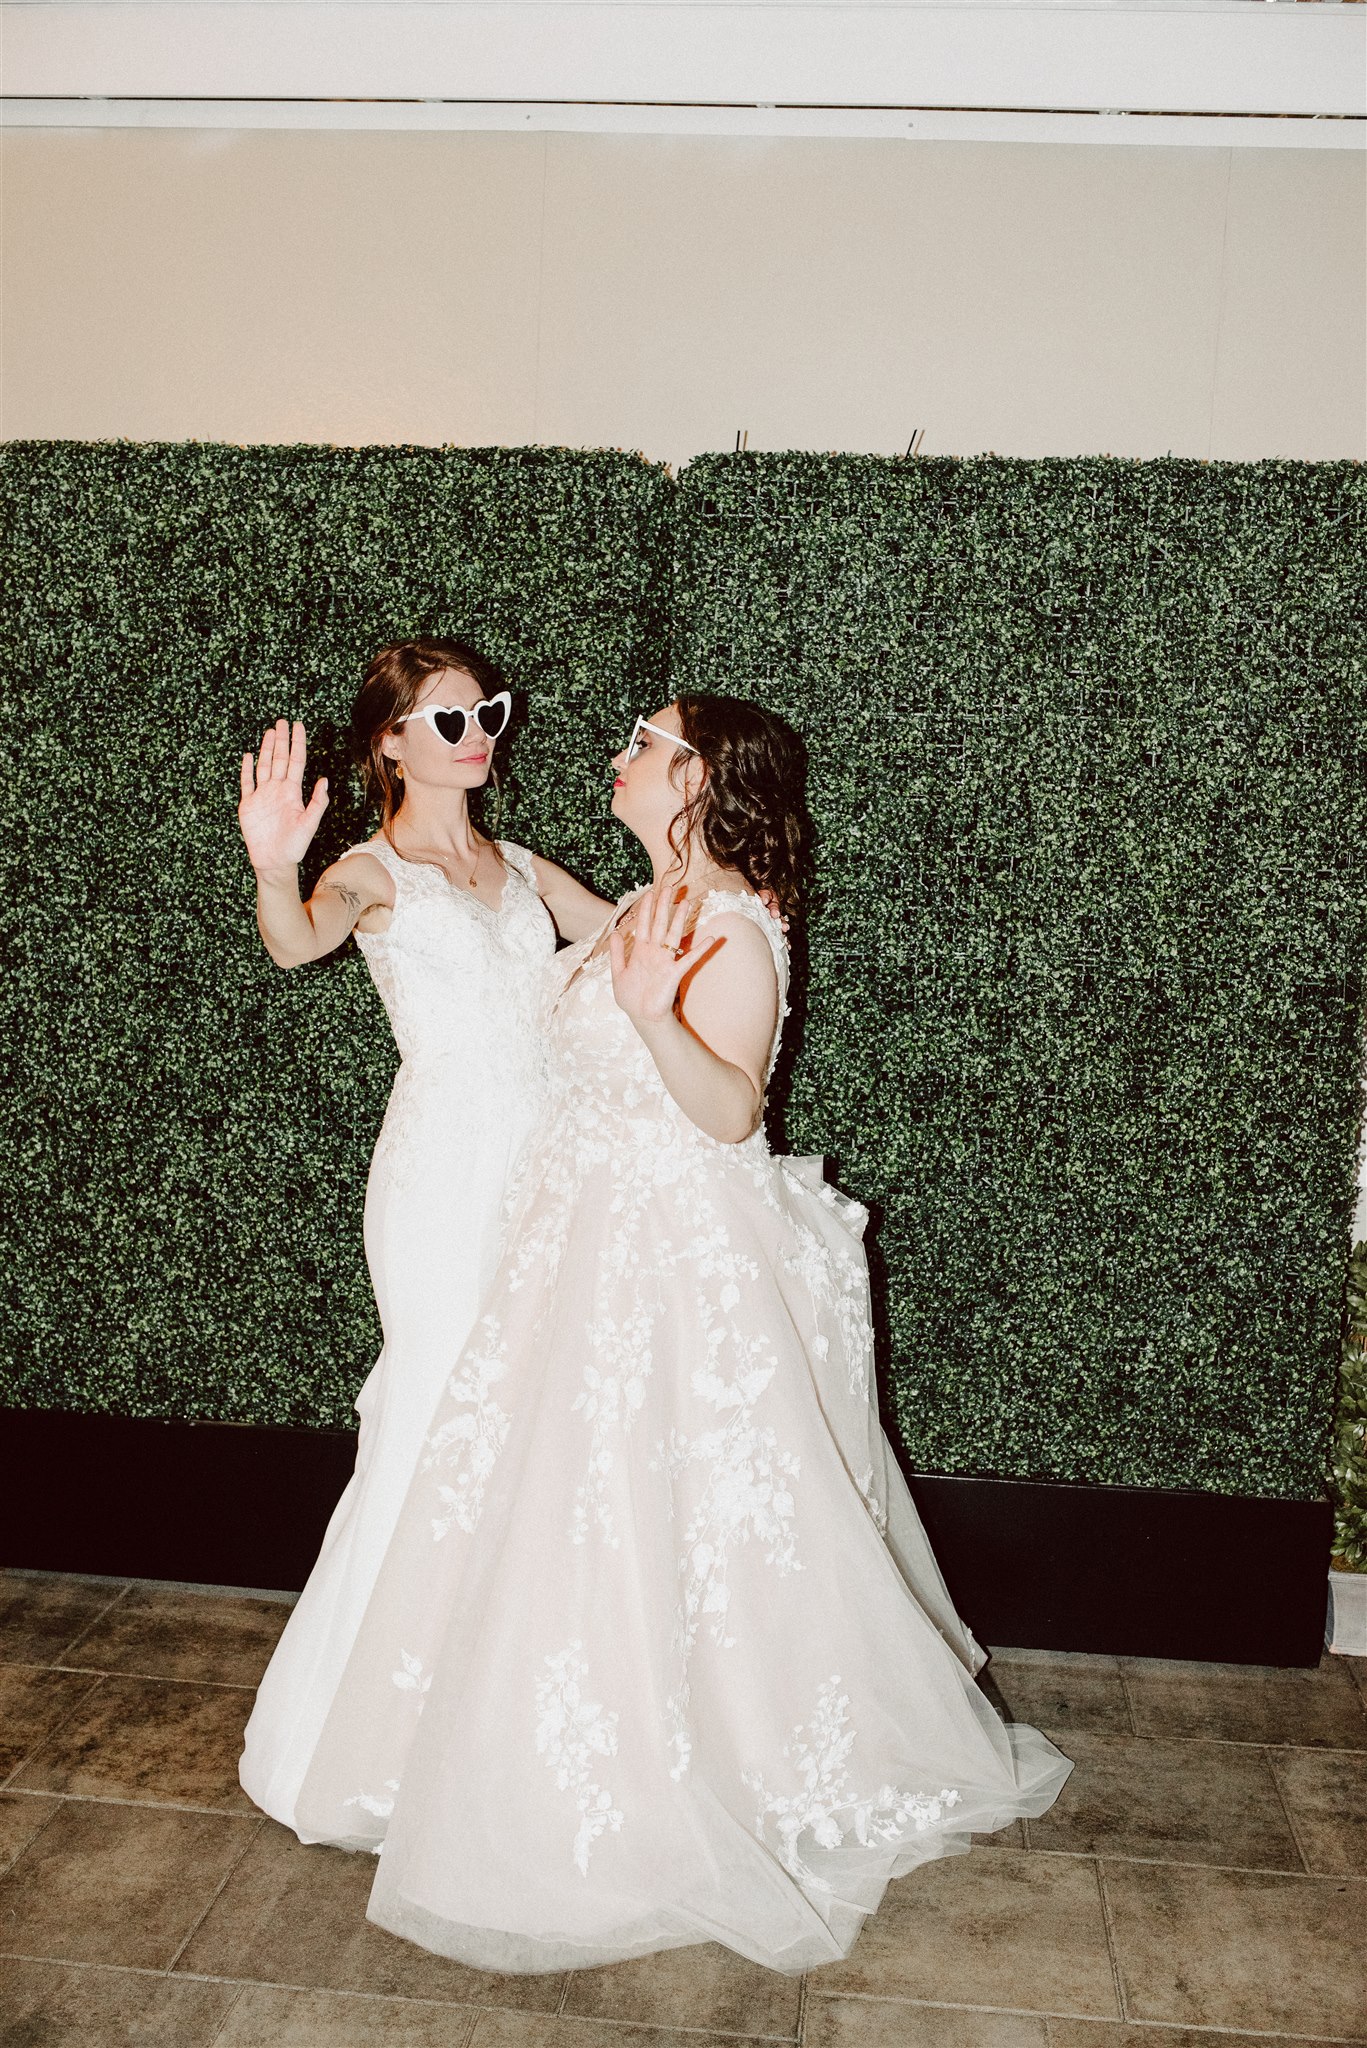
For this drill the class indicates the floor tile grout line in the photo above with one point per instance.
(156, 1677)
(139, 1677)
(122, 1799)
(127, 1581)
(230, 2009)
(1129, 1703)
(258, 1983)
(59, 1801)
(96, 1619)
(590, 2019)
(1093, 2019)
(1241, 2033)
(1112, 1945)
(473, 2007)
(1178, 1863)
(804, 1991)
(41, 1743)
(1209, 1741)
(1286, 1811)
(252, 1836)
(41, 1663)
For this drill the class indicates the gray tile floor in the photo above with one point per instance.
(1201, 1880)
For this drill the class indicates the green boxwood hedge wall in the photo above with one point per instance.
(1086, 973)
(1088, 749)
(187, 1129)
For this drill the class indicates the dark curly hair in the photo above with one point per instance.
(751, 812)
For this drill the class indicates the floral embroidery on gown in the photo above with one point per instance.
(463, 985)
(660, 1652)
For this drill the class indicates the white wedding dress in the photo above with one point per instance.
(463, 986)
(660, 1653)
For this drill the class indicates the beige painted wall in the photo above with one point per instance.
(661, 292)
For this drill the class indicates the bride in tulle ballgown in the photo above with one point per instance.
(659, 1652)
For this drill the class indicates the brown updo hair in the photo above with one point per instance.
(751, 812)
(389, 690)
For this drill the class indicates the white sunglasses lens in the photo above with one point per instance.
(492, 715)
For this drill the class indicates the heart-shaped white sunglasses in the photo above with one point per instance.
(451, 722)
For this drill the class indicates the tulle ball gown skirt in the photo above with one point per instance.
(659, 1653)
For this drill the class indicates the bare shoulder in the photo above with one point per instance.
(746, 913)
(744, 954)
(544, 870)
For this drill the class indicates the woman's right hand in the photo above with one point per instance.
(276, 822)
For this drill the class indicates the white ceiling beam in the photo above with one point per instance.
(868, 124)
(1221, 57)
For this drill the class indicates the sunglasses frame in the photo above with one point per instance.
(429, 714)
(644, 723)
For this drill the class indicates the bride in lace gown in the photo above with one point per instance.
(455, 929)
(659, 1652)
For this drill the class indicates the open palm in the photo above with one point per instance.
(276, 822)
(646, 981)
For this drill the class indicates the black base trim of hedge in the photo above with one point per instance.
(1132, 1571)
(1038, 1565)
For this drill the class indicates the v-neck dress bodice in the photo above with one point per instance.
(458, 977)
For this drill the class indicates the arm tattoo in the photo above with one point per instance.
(352, 901)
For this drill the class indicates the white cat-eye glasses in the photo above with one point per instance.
(633, 746)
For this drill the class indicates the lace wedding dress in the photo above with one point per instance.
(660, 1652)
(463, 985)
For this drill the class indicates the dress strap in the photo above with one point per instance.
(519, 859)
(380, 848)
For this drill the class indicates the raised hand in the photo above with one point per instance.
(276, 822)
(646, 983)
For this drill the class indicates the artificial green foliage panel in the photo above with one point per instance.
(187, 1129)
(1082, 1020)
(1086, 975)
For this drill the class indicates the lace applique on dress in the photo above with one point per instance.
(466, 1446)
(823, 1804)
(837, 1278)
(571, 1732)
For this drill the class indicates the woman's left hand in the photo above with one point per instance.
(770, 902)
(646, 984)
